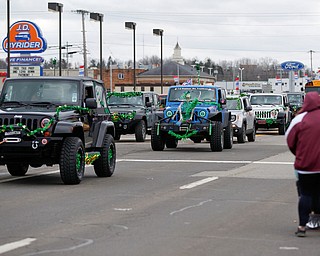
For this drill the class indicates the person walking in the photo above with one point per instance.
(303, 136)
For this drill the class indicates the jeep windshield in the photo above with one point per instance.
(234, 104)
(115, 100)
(266, 100)
(40, 92)
(295, 98)
(202, 94)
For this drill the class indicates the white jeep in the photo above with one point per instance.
(242, 117)
(271, 110)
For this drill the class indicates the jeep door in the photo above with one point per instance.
(248, 113)
(150, 108)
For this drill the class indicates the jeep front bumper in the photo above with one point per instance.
(39, 150)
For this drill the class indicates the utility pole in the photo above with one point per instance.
(83, 13)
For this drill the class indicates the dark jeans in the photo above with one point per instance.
(309, 200)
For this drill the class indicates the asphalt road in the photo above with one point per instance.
(184, 201)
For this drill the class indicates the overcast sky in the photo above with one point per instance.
(221, 30)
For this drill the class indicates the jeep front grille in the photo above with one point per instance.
(32, 124)
(195, 117)
(266, 114)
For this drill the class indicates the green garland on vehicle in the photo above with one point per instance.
(184, 136)
(124, 94)
(11, 127)
(116, 116)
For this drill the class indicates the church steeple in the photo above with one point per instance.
(177, 54)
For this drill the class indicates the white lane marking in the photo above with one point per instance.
(183, 161)
(15, 245)
(202, 161)
(198, 183)
(122, 209)
(288, 248)
(191, 206)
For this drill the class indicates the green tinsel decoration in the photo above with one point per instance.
(184, 136)
(116, 116)
(11, 127)
(124, 94)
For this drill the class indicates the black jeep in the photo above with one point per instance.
(56, 120)
(133, 113)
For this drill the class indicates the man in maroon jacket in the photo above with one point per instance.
(303, 139)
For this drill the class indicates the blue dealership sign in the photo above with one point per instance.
(292, 65)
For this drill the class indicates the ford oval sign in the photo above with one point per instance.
(292, 65)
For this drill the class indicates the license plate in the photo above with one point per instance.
(10, 133)
(183, 128)
(262, 121)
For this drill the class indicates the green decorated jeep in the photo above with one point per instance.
(195, 112)
(133, 113)
(56, 120)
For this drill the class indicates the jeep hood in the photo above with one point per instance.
(128, 108)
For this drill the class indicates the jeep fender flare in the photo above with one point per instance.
(63, 127)
(216, 117)
(281, 115)
(100, 129)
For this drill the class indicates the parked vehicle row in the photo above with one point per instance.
(74, 121)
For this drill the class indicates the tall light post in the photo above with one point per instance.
(241, 69)
(159, 32)
(57, 7)
(8, 37)
(99, 17)
(132, 25)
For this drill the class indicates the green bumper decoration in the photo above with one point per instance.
(184, 136)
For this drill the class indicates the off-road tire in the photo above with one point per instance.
(140, 131)
(72, 161)
(252, 136)
(241, 138)
(217, 138)
(228, 136)
(157, 141)
(17, 169)
(105, 165)
(171, 142)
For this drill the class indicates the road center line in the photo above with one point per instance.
(15, 245)
(198, 183)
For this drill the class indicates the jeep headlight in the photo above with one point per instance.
(233, 118)
(273, 113)
(45, 123)
(202, 113)
(169, 113)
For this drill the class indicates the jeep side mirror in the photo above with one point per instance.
(223, 101)
(91, 103)
(248, 108)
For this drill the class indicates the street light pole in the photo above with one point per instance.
(57, 7)
(132, 26)
(99, 17)
(241, 69)
(8, 38)
(159, 32)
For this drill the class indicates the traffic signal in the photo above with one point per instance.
(54, 61)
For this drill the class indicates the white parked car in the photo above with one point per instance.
(242, 117)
